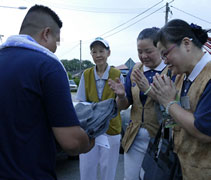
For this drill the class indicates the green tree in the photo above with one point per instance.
(86, 64)
(77, 80)
(73, 66)
(69, 75)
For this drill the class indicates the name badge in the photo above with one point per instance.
(185, 102)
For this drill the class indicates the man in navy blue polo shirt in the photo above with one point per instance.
(35, 101)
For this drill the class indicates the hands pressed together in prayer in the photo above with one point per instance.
(164, 89)
(140, 80)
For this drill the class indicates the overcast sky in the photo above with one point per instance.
(118, 21)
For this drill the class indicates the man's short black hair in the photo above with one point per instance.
(47, 10)
(39, 17)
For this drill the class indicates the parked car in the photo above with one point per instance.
(73, 85)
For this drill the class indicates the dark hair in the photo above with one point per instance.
(47, 10)
(148, 33)
(38, 17)
(175, 30)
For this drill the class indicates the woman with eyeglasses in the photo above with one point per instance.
(181, 46)
(138, 93)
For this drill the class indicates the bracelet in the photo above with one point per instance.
(147, 91)
(168, 106)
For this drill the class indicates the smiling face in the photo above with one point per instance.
(100, 54)
(148, 53)
(175, 57)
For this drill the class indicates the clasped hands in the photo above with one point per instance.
(138, 78)
(162, 89)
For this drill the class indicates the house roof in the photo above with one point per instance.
(123, 66)
(128, 65)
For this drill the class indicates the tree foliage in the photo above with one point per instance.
(74, 66)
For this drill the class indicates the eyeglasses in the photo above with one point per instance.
(165, 53)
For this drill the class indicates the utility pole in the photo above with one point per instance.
(80, 55)
(167, 12)
(1, 38)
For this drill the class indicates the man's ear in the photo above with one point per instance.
(45, 33)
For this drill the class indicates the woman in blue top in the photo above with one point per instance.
(138, 93)
(181, 45)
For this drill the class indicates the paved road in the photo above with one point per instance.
(73, 95)
(68, 169)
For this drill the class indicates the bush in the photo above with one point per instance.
(77, 80)
(69, 75)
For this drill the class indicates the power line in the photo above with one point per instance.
(71, 49)
(92, 9)
(191, 15)
(101, 10)
(84, 42)
(125, 27)
(130, 24)
(135, 22)
(126, 21)
(132, 18)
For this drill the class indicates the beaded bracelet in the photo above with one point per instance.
(168, 106)
(147, 91)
